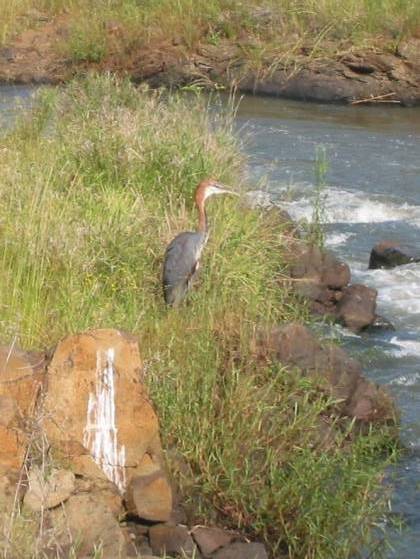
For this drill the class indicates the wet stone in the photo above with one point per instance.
(357, 307)
(389, 254)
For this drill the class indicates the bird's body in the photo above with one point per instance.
(181, 264)
(182, 256)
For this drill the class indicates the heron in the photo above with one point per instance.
(182, 256)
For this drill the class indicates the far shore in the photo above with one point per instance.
(52, 50)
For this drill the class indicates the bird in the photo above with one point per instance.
(182, 255)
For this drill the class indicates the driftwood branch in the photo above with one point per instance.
(377, 99)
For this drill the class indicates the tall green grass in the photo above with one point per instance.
(261, 28)
(93, 185)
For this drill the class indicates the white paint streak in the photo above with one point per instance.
(100, 433)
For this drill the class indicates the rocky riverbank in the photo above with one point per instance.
(357, 76)
(226, 407)
(81, 453)
(81, 456)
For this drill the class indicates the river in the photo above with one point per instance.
(373, 194)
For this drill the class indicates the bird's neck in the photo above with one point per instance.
(202, 217)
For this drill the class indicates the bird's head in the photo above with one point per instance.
(210, 187)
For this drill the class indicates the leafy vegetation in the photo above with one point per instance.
(93, 185)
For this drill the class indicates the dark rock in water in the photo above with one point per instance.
(335, 274)
(357, 307)
(240, 550)
(295, 345)
(320, 268)
(324, 280)
(389, 254)
(321, 278)
(381, 323)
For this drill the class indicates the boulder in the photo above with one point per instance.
(137, 539)
(87, 522)
(371, 403)
(21, 377)
(167, 538)
(315, 266)
(210, 540)
(103, 490)
(48, 491)
(319, 277)
(99, 418)
(388, 254)
(12, 490)
(357, 307)
(149, 494)
(239, 550)
(324, 280)
(296, 346)
(262, 201)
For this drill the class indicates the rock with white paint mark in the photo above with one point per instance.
(47, 490)
(97, 410)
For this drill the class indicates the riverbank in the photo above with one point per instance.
(86, 211)
(369, 57)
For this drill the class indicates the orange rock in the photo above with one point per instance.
(87, 521)
(20, 382)
(97, 409)
(149, 494)
(21, 377)
(48, 489)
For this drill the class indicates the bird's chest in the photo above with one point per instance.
(200, 247)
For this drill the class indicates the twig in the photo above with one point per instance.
(377, 99)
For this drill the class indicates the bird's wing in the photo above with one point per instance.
(181, 258)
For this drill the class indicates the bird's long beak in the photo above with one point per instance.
(222, 189)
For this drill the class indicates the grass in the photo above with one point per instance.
(265, 31)
(316, 229)
(93, 185)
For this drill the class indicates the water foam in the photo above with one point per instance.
(398, 288)
(405, 348)
(336, 239)
(342, 206)
(406, 380)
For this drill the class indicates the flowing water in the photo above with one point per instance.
(373, 194)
